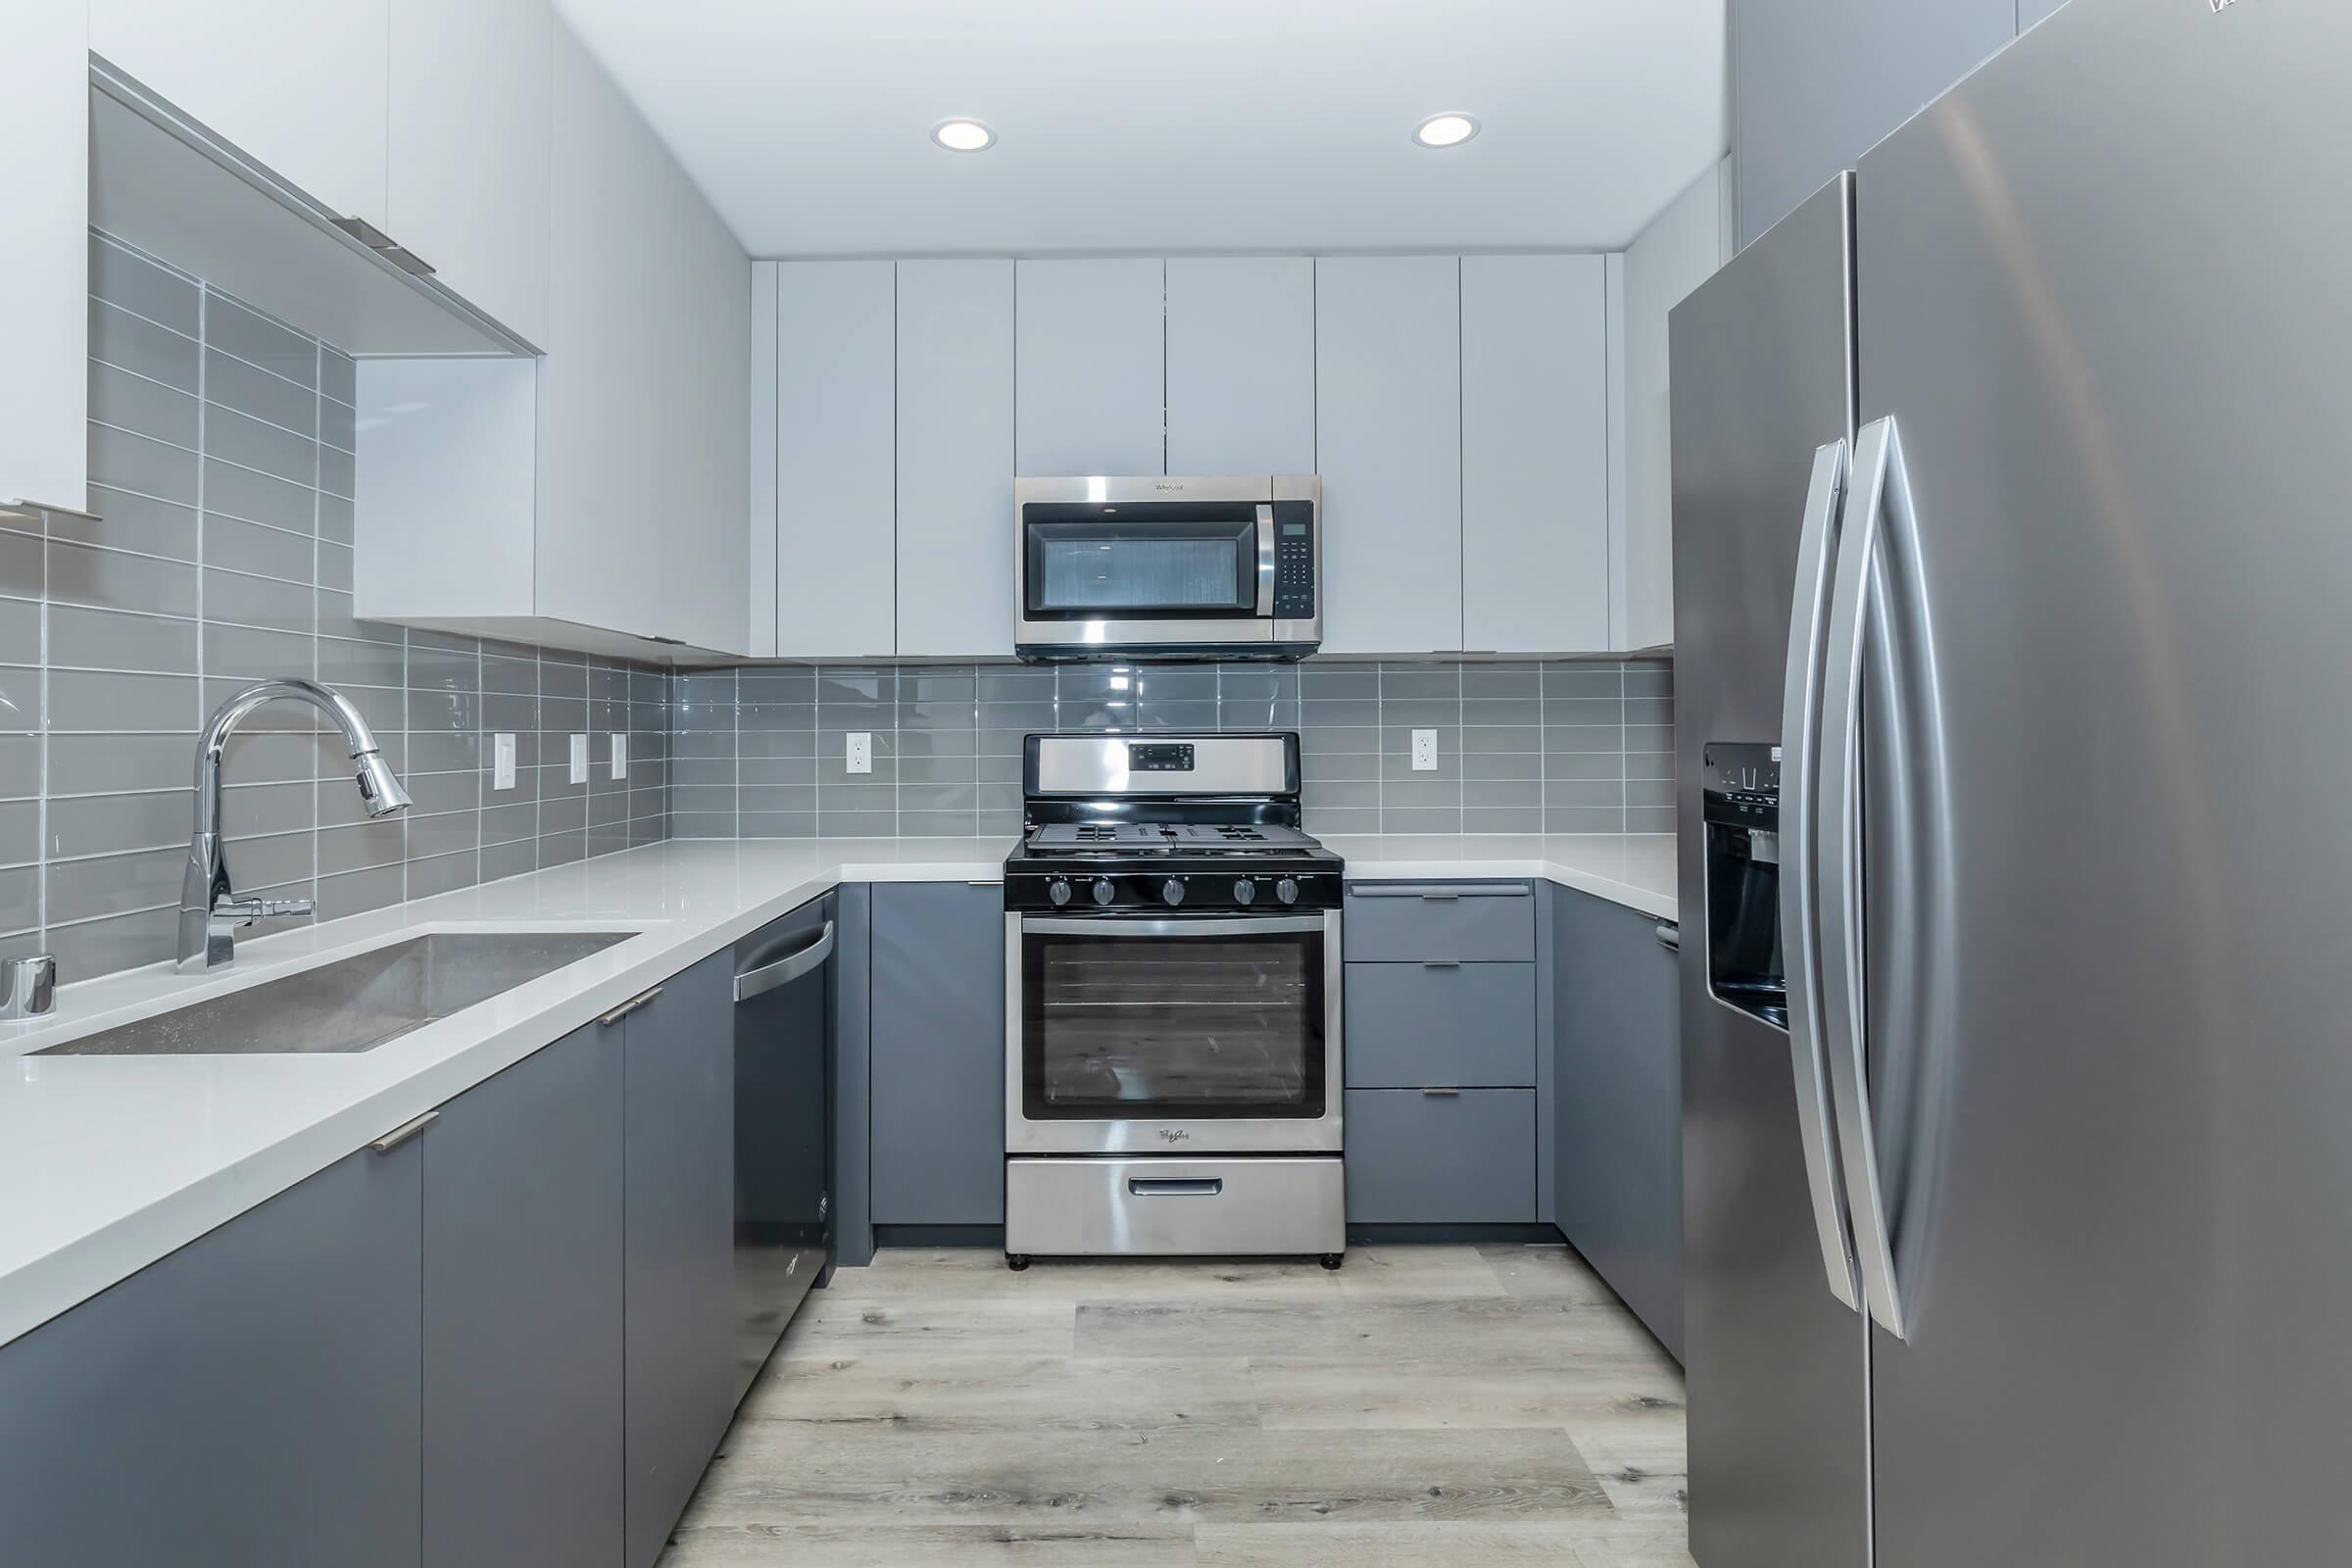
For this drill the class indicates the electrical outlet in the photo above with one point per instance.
(1425, 751)
(579, 759)
(861, 757)
(502, 761)
(620, 756)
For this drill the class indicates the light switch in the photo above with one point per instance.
(502, 761)
(861, 757)
(579, 759)
(620, 756)
(1425, 751)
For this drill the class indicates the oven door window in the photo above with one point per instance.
(1162, 1027)
(1087, 562)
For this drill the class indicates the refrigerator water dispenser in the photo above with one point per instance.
(1742, 809)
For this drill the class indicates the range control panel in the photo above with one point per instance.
(1294, 560)
(1113, 891)
(1159, 757)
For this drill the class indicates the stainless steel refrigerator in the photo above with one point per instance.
(2014, 613)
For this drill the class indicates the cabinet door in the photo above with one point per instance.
(1091, 344)
(468, 154)
(677, 1246)
(1388, 443)
(954, 457)
(938, 1053)
(299, 85)
(835, 459)
(1535, 454)
(1617, 1127)
(700, 541)
(601, 384)
(1440, 1156)
(44, 269)
(1241, 364)
(248, 1401)
(522, 1302)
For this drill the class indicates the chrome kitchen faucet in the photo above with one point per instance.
(210, 911)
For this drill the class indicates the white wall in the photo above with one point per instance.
(1677, 251)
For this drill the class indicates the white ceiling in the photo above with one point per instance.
(1159, 125)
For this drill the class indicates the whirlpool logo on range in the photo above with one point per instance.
(1174, 1135)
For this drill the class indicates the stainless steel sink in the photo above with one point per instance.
(355, 1004)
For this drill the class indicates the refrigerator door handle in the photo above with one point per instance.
(1877, 462)
(1800, 892)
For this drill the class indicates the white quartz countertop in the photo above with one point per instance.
(1636, 869)
(108, 1163)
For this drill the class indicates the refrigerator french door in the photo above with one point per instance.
(1776, 1363)
(2104, 343)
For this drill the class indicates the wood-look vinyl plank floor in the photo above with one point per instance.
(1456, 1405)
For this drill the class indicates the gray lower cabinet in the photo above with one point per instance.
(1419, 1156)
(1617, 1121)
(1440, 1025)
(677, 1245)
(1450, 923)
(522, 1315)
(937, 1017)
(250, 1400)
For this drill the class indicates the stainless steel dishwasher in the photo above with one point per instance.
(783, 1126)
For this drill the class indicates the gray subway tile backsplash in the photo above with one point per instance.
(220, 443)
(1555, 747)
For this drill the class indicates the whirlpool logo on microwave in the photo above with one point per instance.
(1166, 486)
(1174, 1135)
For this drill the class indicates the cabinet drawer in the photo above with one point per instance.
(1412, 923)
(1440, 1025)
(1457, 1159)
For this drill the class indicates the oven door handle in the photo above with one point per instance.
(1215, 925)
(1265, 561)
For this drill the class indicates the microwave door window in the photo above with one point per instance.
(1199, 1027)
(1114, 571)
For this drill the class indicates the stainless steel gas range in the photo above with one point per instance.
(1172, 1034)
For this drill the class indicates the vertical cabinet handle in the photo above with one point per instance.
(1800, 891)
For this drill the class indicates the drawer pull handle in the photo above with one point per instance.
(404, 1132)
(1175, 1186)
(1442, 1094)
(1442, 894)
(629, 1006)
(1440, 963)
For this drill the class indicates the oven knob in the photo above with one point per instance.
(1245, 892)
(1059, 890)
(1104, 892)
(1172, 890)
(1286, 890)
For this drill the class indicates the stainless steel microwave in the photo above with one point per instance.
(1169, 567)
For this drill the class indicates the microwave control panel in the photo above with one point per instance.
(1294, 560)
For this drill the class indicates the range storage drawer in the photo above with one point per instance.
(1440, 1025)
(1075, 1205)
(1464, 922)
(1465, 1157)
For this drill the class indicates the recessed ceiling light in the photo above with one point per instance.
(963, 135)
(1445, 130)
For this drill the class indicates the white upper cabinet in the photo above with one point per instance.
(1389, 444)
(1679, 251)
(836, 457)
(469, 152)
(1241, 346)
(954, 457)
(601, 385)
(299, 85)
(1535, 454)
(697, 533)
(1092, 384)
(44, 267)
